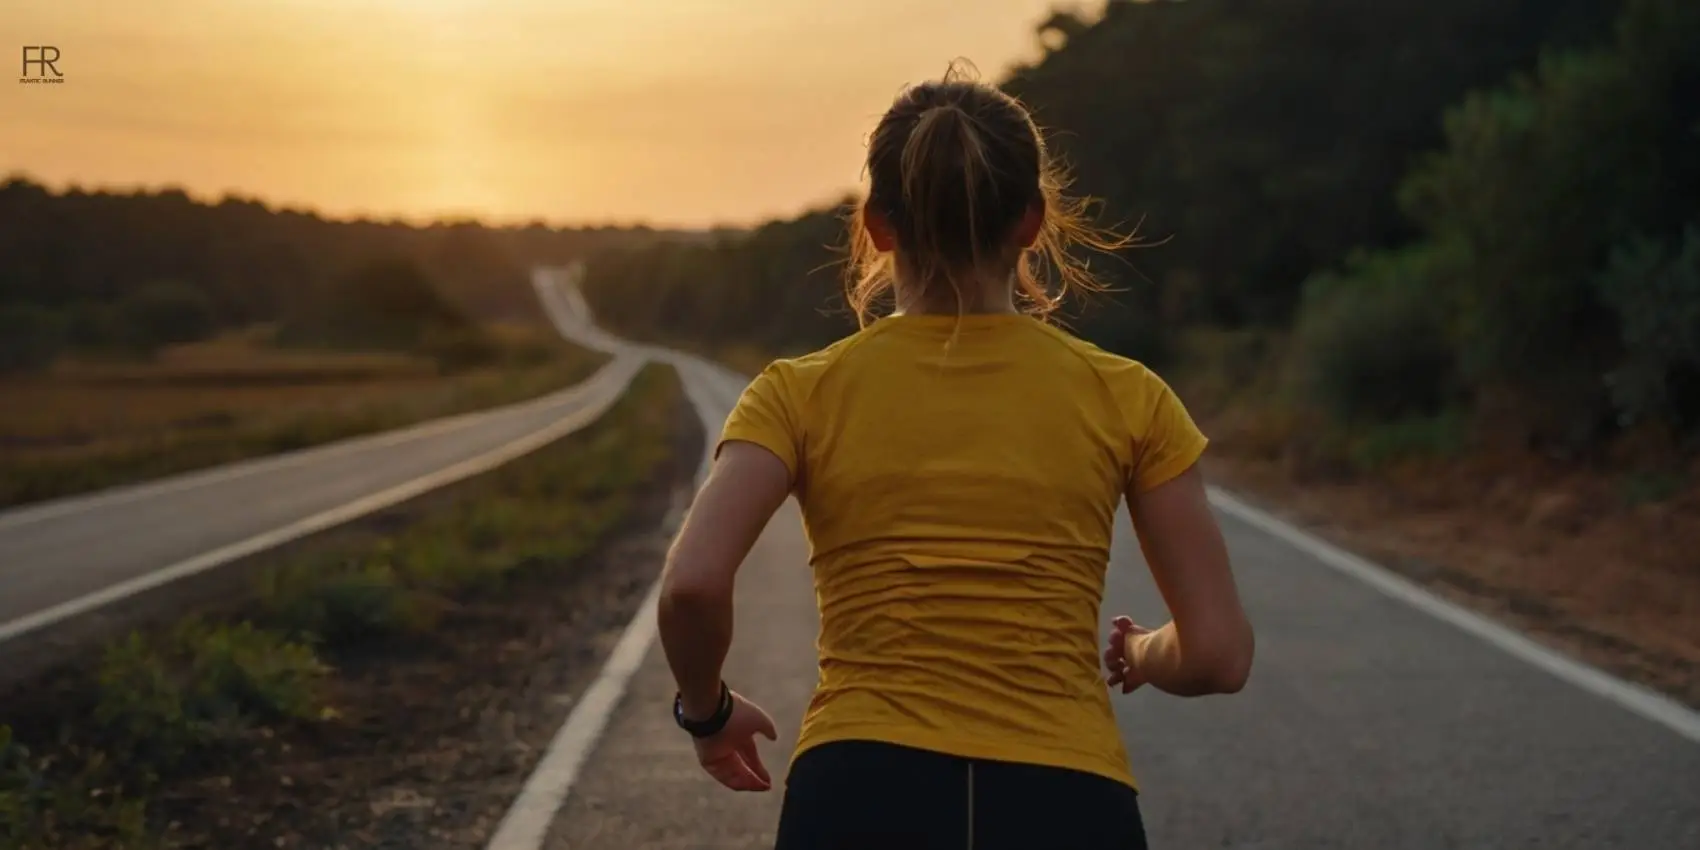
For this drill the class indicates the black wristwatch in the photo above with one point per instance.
(704, 728)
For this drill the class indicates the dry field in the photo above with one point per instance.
(87, 425)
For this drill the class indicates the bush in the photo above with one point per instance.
(69, 802)
(1411, 438)
(94, 327)
(390, 304)
(460, 349)
(1655, 293)
(345, 602)
(164, 313)
(30, 337)
(1373, 344)
(1544, 180)
(1644, 487)
(200, 687)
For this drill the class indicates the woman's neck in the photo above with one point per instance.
(991, 297)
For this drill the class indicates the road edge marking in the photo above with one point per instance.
(1643, 701)
(32, 513)
(593, 410)
(532, 814)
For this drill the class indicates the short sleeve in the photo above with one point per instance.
(1166, 440)
(767, 414)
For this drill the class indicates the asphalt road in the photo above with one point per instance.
(1371, 721)
(65, 558)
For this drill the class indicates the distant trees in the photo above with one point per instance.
(776, 286)
(162, 313)
(83, 270)
(389, 305)
(30, 337)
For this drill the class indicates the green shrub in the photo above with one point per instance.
(30, 337)
(199, 687)
(1410, 438)
(1655, 292)
(1650, 486)
(1373, 344)
(70, 801)
(1543, 179)
(343, 603)
(164, 313)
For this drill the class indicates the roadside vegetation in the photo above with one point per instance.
(119, 750)
(162, 390)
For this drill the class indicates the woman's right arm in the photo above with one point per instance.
(1207, 646)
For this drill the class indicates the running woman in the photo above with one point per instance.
(958, 462)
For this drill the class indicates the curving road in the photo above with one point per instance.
(1378, 717)
(65, 558)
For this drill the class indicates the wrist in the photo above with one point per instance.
(705, 724)
(699, 705)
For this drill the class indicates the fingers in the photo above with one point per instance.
(731, 771)
(762, 722)
(1115, 655)
(764, 725)
(1128, 684)
(752, 760)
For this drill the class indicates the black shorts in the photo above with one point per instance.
(863, 795)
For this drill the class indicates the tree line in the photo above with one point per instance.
(1442, 205)
(124, 273)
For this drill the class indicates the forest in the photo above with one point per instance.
(1401, 213)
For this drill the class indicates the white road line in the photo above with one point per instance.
(1651, 705)
(30, 514)
(335, 516)
(526, 824)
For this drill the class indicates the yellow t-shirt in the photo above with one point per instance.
(958, 478)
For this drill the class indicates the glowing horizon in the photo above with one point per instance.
(682, 114)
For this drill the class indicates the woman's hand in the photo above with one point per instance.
(1122, 671)
(730, 755)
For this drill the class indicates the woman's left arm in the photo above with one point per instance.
(745, 486)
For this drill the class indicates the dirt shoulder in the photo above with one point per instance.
(1557, 552)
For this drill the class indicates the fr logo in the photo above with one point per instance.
(41, 65)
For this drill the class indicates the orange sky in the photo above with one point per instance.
(675, 112)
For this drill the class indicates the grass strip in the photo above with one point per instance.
(207, 441)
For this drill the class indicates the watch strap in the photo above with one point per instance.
(709, 726)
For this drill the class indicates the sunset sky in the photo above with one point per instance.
(674, 112)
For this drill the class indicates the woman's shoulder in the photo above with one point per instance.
(1111, 367)
(812, 363)
(794, 377)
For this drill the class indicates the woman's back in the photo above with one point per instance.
(959, 476)
(959, 466)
